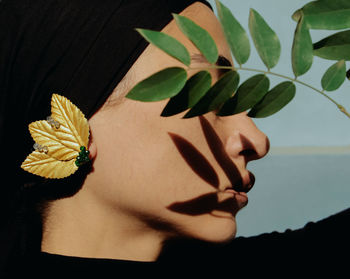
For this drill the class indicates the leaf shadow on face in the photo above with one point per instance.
(201, 166)
(196, 160)
(203, 204)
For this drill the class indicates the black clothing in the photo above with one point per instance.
(80, 49)
(317, 247)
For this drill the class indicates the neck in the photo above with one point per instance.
(82, 227)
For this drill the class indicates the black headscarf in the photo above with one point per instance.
(77, 48)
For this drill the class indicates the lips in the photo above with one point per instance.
(244, 184)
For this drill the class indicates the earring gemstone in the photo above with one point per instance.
(83, 157)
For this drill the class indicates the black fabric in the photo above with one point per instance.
(82, 49)
(325, 242)
(318, 247)
(77, 48)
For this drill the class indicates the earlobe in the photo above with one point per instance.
(92, 147)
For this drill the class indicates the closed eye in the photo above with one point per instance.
(223, 61)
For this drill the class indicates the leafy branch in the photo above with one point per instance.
(240, 68)
(227, 96)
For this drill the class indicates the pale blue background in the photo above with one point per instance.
(296, 186)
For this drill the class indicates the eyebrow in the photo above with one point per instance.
(222, 60)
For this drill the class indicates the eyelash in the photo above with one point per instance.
(222, 61)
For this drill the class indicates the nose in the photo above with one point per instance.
(243, 139)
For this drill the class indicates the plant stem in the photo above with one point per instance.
(340, 107)
(291, 79)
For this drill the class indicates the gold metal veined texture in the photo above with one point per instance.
(43, 165)
(63, 141)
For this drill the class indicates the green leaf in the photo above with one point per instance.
(274, 100)
(193, 91)
(168, 44)
(248, 94)
(217, 94)
(265, 39)
(334, 47)
(325, 14)
(161, 85)
(235, 35)
(302, 50)
(199, 37)
(334, 77)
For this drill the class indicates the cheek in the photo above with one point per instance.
(142, 173)
(139, 162)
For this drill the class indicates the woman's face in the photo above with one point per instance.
(172, 175)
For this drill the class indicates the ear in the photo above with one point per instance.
(92, 147)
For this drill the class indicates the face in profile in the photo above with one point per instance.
(165, 177)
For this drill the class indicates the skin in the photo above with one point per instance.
(142, 191)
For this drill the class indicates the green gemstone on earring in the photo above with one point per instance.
(83, 156)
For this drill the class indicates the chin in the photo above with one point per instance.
(218, 228)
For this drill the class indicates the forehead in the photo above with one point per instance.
(153, 59)
(204, 17)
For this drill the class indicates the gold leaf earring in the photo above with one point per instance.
(60, 141)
